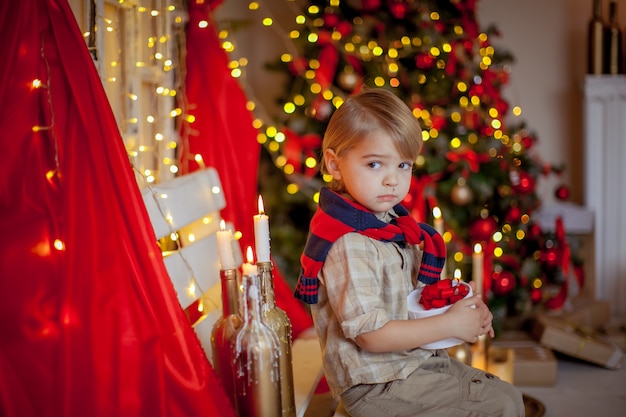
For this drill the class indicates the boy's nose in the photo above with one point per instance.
(391, 180)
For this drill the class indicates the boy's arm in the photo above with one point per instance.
(460, 321)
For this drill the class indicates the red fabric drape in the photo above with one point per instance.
(223, 134)
(222, 130)
(91, 327)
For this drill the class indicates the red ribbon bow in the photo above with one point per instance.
(442, 293)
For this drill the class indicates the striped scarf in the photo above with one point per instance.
(335, 216)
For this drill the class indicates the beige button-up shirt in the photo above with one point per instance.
(364, 284)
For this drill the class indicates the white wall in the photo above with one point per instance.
(549, 42)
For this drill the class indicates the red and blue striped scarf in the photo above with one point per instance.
(335, 216)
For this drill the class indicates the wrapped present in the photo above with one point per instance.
(616, 333)
(501, 362)
(515, 357)
(578, 342)
(585, 312)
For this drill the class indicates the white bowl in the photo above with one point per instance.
(417, 311)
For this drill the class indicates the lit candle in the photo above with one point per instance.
(262, 234)
(479, 356)
(249, 268)
(438, 220)
(457, 273)
(225, 247)
(477, 268)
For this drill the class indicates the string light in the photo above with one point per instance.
(150, 84)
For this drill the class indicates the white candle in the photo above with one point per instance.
(457, 274)
(479, 356)
(249, 268)
(262, 234)
(477, 268)
(438, 220)
(225, 247)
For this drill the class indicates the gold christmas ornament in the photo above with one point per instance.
(461, 194)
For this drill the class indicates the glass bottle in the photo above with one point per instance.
(613, 53)
(595, 41)
(225, 329)
(257, 355)
(278, 320)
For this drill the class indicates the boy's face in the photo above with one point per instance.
(373, 172)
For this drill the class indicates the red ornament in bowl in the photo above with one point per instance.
(431, 300)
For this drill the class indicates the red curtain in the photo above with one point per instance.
(89, 321)
(223, 134)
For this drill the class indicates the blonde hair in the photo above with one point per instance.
(369, 110)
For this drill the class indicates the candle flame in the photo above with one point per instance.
(436, 212)
(261, 208)
(478, 248)
(222, 225)
(249, 255)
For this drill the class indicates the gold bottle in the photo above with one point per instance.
(595, 41)
(613, 54)
(257, 355)
(225, 329)
(278, 320)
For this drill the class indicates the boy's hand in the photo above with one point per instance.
(470, 322)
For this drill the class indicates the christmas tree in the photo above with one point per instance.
(476, 177)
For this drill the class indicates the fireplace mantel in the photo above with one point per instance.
(605, 183)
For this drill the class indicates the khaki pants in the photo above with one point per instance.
(441, 387)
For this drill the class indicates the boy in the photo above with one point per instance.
(363, 258)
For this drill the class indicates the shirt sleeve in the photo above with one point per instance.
(355, 274)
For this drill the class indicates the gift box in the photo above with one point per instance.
(516, 358)
(501, 362)
(616, 333)
(585, 312)
(578, 342)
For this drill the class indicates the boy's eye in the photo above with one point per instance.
(406, 165)
(374, 164)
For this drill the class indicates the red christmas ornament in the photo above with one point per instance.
(550, 257)
(535, 295)
(534, 232)
(513, 215)
(438, 122)
(298, 66)
(424, 61)
(482, 229)
(344, 28)
(503, 283)
(562, 193)
(502, 106)
(331, 20)
(527, 142)
(398, 8)
(524, 183)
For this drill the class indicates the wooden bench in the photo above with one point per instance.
(185, 215)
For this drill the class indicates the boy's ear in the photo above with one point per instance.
(332, 163)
